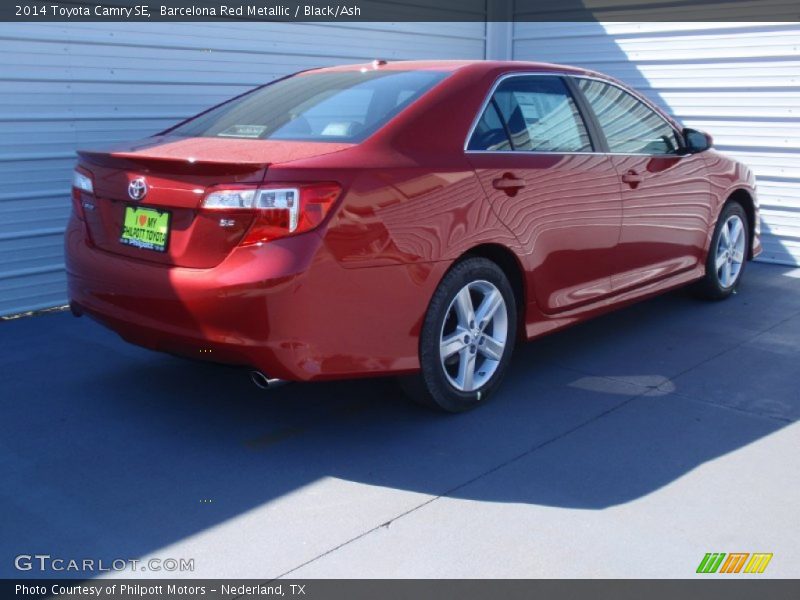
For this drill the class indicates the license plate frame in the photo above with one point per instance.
(144, 235)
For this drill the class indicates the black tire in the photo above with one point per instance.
(432, 386)
(711, 287)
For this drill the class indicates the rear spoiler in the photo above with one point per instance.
(179, 166)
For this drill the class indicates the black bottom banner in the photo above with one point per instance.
(416, 589)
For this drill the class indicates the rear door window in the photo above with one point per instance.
(490, 132)
(539, 115)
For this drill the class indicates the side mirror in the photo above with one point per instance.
(696, 141)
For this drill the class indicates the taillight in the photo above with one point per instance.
(280, 210)
(82, 186)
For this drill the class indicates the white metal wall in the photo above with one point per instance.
(69, 86)
(66, 86)
(738, 81)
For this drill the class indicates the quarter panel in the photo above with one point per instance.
(412, 215)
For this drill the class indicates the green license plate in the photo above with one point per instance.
(145, 228)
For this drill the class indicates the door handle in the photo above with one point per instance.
(632, 178)
(508, 184)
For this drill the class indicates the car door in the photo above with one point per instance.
(666, 195)
(534, 155)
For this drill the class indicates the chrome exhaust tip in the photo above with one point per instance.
(263, 382)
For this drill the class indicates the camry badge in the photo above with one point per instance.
(137, 188)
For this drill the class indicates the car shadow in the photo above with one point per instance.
(110, 450)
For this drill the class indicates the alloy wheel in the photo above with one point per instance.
(474, 335)
(730, 251)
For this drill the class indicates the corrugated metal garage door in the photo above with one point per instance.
(738, 81)
(70, 86)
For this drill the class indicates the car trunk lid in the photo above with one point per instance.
(177, 173)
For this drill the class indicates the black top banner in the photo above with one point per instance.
(415, 10)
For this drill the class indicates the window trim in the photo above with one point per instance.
(595, 132)
(592, 123)
(587, 124)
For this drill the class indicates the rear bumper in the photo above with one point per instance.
(220, 314)
(285, 308)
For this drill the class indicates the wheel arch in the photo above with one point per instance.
(511, 266)
(744, 198)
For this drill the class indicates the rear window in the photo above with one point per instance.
(338, 107)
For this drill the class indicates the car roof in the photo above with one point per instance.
(497, 68)
(475, 66)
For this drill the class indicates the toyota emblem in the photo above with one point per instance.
(137, 188)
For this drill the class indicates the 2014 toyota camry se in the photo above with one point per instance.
(411, 218)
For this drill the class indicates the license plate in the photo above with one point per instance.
(146, 228)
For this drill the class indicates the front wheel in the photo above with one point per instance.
(467, 338)
(727, 254)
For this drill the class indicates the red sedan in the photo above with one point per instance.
(408, 218)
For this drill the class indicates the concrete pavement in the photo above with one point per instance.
(625, 447)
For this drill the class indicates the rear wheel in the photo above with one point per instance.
(467, 338)
(727, 254)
